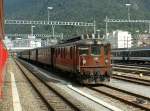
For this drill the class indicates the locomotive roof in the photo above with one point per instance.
(82, 37)
(87, 39)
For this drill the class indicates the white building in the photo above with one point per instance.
(120, 39)
(34, 42)
(8, 43)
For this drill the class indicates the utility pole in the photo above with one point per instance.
(53, 30)
(128, 6)
(53, 26)
(94, 27)
(106, 27)
(32, 30)
(48, 9)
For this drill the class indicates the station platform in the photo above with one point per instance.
(18, 95)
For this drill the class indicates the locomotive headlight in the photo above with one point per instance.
(84, 61)
(96, 58)
(106, 61)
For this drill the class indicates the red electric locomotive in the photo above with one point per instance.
(86, 57)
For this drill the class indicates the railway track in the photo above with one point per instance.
(124, 96)
(146, 67)
(132, 69)
(102, 104)
(138, 75)
(134, 79)
(54, 98)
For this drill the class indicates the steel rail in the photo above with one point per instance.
(35, 88)
(130, 100)
(53, 90)
(132, 79)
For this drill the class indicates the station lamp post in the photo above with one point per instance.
(53, 27)
(49, 8)
(128, 6)
(32, 30)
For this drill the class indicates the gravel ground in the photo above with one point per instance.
(62, 85)
(102, 97)
(135, 88)
(92, 105)
(29, 99)
(76, 99)
(110, 100)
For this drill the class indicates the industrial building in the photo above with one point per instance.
(120, 39)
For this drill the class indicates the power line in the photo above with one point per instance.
(30, 22)
(36, 35)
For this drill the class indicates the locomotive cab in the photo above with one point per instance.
(94, 63)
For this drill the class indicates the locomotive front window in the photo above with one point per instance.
(106, 49)
(83, 51)
(95, 50)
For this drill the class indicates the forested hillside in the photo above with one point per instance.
(75, 10)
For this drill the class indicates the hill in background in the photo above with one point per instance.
(75, 10)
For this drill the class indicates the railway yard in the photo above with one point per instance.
(40, 90)
(81, 55)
